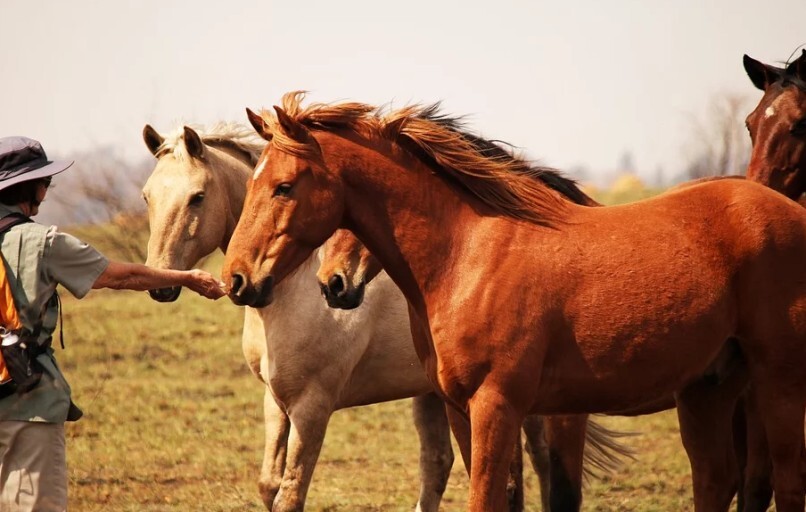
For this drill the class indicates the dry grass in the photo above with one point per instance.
(174, 422)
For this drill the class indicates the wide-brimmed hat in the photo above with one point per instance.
(23, 159)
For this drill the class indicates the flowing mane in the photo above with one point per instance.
(231, 136)
(497, 176)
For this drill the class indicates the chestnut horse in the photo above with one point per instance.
(347, 267)
(531, 303)
(777, 126)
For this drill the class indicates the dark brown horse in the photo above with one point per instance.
(533, 304)
(777, 128)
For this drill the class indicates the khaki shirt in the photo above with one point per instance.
(38, 258)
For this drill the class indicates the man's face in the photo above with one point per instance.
(41, 191)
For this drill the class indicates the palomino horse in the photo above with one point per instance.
(777, 128)
(314, 360)
(534, 304)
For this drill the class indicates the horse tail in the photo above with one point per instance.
(604, 453)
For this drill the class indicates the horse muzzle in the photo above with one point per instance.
(165, 294)
(340, 296)
(244, 293)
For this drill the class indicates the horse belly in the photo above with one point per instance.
(385, 379)
(624, 356)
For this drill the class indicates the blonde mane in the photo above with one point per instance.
(504, 181)
(222, 135)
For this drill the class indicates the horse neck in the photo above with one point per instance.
(414, 219)
(298, 294)
(771, 155)
(236, 168)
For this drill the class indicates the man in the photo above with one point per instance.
(33, 471)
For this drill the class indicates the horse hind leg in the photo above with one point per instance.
(436, 453)
(705, 412)
(565, 437)
(538, 451)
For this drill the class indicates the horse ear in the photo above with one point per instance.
(194, 143)
(800, 66)
(259, 124)
(760, 74)
(294, 129)
(152, 139)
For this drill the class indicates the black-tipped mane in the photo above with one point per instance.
(492, 149)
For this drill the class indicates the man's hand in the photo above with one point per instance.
(205, 284)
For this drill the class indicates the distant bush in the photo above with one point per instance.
(627, 188)
(125, 237)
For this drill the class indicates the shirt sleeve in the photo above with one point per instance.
(72, 263)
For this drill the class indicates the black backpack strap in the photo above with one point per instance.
(11, 220)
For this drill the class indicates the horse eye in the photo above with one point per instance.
(799, 128)
(196, 199)
(283, 189)
(145, 198)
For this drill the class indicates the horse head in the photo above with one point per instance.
(346, 268)
(777, 126)
(292, 206)
(194, 195)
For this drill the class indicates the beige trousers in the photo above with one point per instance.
(33, 467)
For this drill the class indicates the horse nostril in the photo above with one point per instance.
(237, 285)
(336, 284)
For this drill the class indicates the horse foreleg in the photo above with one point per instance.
(538, 450)
(277, 426)
(436, 453)
(460, 426)
(705, 411)
(565, 437)
(755, 492)
(309, 419)
(495, 425)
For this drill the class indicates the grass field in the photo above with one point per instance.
(173, 422)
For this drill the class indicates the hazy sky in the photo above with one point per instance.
(572, 82)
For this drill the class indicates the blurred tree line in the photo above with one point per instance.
(99, 199)
(719, 143)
